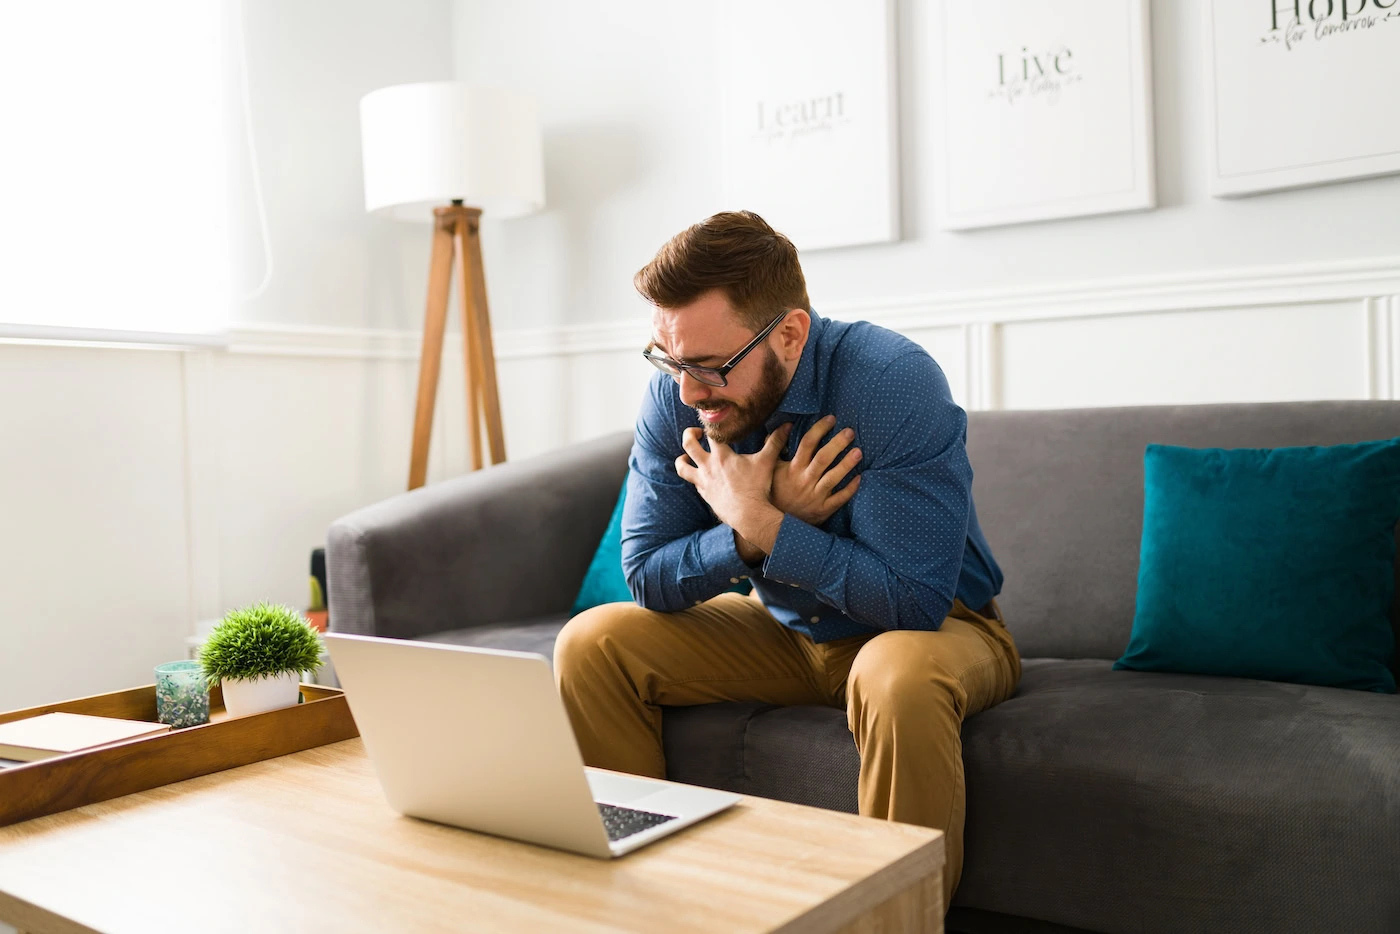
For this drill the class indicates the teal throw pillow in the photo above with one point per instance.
(1275, 564)
(605, 582)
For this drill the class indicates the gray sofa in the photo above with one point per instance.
(1097, 800)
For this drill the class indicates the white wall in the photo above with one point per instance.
(309, 63)
(92, 555)
(143, 488)
(631, 113)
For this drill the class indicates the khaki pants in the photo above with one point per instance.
(906, 693)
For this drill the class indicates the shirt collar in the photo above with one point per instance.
(802, 396)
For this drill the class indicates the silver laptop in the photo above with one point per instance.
(479, 739)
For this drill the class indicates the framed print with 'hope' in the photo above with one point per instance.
(1302, 92)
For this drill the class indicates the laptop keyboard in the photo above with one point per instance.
(623, 822)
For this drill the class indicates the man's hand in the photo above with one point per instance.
(736, 486)
(802, 487)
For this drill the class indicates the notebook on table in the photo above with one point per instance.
(56, 734)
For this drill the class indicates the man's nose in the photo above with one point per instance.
(693, 391)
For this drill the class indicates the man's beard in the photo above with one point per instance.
(750, 414)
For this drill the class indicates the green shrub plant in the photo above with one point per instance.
(260, 641)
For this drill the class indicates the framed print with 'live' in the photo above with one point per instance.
(1045, 110)
(1302, 92)
(809, 118)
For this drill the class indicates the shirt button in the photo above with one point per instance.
(698, 602)
(792, 585)
(743, 577)
(816, 619)
(733, 580)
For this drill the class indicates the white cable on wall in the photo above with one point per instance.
(252, 156)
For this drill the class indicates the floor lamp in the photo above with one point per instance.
(448, 152)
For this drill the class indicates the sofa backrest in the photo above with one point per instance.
(1059, 495)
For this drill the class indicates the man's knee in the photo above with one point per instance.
(895, 672)
(588, 634)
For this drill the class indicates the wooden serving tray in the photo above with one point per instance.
(85, 777)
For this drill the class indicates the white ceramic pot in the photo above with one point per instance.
(244, 697)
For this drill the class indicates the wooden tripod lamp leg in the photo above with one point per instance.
(430, 361)
(471, 345)
(479, 321)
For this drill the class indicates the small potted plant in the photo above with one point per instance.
(259, 653)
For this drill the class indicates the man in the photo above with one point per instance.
(873, 585)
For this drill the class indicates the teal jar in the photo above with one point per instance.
(182, 694)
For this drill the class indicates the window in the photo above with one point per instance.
(115, 148)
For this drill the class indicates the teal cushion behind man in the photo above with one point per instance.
(604, 582)
(1275, 564)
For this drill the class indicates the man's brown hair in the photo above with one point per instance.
(736, 252)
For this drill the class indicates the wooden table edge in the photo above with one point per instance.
(854, 902)
(28, 918)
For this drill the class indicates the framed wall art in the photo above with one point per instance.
(1301, 92)
(809, 118)
(1044, 110)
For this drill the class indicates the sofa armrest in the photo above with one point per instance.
(506, 543)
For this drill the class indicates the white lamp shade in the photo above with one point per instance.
(427, 144)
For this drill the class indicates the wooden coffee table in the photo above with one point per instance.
(306, 842)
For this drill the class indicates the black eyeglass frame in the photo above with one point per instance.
(721, 373)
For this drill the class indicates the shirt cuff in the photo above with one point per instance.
(720, 559)
(798, 554)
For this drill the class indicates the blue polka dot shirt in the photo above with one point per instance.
(894, 557)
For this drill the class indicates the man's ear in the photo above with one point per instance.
(792, 335)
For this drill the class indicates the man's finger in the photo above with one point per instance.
(773, 446)
(685, 469)
(690, 440)
(837, 473)
(832, 449)
(808, 446)
(844, 497)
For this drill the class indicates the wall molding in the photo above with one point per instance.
(981, 365)
(286, 340)
(1302, 283)
(1382, 354)
(511, 344)
(44, 335)
(1346, 280)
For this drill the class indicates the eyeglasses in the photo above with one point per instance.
(710, 375)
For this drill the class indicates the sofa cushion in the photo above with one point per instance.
(1127, 800)
(605, 582)
(1119, 800)
(1071, 558)
(531, 635)
(1271, 563)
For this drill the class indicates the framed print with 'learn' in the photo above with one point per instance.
(809, 118)
(1044, 110)
(1302, 92)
